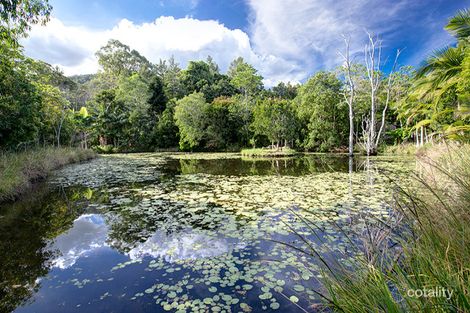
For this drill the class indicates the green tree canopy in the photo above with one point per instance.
(191, 115)
(275, 119)
(321, 109)
(245, 77)
(17, 17)
(158, 98)
(202, 76)
(117, 59)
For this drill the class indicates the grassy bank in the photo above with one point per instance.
(19, 170)
(430, 235)
(262, 152)
(408, 149)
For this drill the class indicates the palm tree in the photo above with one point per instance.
(440, 70)
(459, 25)
(441, 74)
(446, 63)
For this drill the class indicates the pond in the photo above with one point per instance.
(188, 232)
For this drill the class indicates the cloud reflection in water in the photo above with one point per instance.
(90, 232)
(182, 246)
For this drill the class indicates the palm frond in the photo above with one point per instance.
(422, 123)
(459, 25)
(446, 62)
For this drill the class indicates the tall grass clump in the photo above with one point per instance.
(18, 170)
(408, 149)
(419, 259)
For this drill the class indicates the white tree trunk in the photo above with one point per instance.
(373, 67)
(350, 97)
(387, 100)
(422, 136)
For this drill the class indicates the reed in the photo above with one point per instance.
(19, 170)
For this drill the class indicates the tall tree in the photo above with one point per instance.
(20, 102)
(55, 109)
(320, 108)
(174, 87)
(245, 77)
(373, 62)
(158, 98)
(165, 133)
(284, 91)
(275, 119)
(442, 80)
(111, 119)
(459, 25)
(133, 92)
(197, 76)
(204, 77)
(117, 59)
(191, 115)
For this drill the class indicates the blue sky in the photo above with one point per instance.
(286, 40)
(107, 13)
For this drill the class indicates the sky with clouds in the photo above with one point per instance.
(286, 40)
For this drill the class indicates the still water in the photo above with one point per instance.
(188, 233)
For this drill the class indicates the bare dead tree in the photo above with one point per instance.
(373, 59)
(387, 99)
(372, 55)
(349, 96)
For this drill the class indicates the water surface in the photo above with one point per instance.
(187, 233)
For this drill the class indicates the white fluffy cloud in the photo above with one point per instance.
(73, 48)
(309, 33)
(287, 41)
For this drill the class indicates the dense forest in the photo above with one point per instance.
(132, 104)
(223, 232)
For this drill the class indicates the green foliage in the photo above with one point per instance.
(17, 17)
(463, 86)
(111, 119)
(440, 95)
(117, 60)
(54, 112)
(197, 76)
(191, 119)
(441, 67)
(323, 113)
(133, 93)
(201, 76)
(20, 102)
(275, 119)
(171, 73)
(283, 91)
(245, 77)
(459, 25)
(165, 133)
(134, 105)
(222, 125)
(158, 98)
